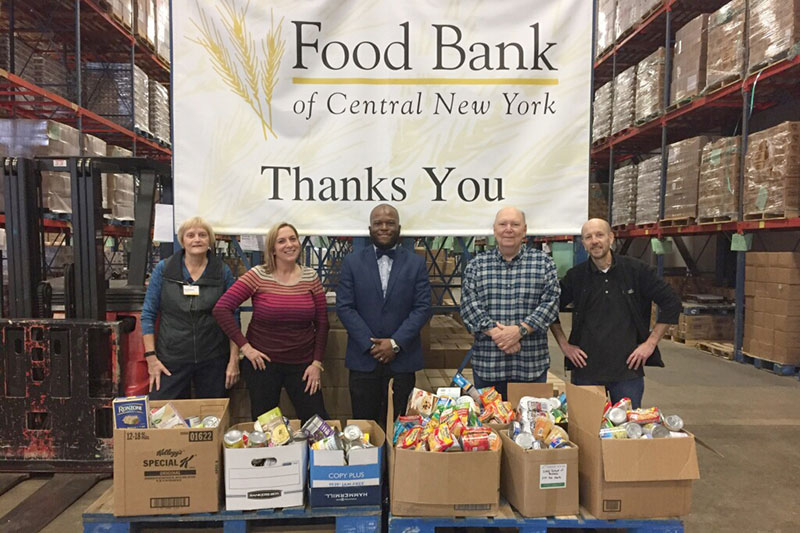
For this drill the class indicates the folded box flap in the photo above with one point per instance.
(517, 390)
(650, 459)
(586, 405)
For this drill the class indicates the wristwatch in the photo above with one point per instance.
(395, 347)
(522, 331)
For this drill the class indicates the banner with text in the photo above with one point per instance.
(314, 112)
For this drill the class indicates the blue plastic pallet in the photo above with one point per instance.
(781, 369)
(99, 518)
(511, 519)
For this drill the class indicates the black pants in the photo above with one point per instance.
(369, 392)
(208, 377)
(265, 386)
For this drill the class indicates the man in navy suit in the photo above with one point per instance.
(383, 299)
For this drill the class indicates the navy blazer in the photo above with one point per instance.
(366, 313)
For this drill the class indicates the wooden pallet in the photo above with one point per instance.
(680, 103)
(722, 83)
(648, 225)
(772, 216)
(623, 227)
(718, 349)
(766, 63)
(507, 517)
(681, 340)
(716, 220)
(99, 518)
(782, 369)
(677, 221)
(649, 118)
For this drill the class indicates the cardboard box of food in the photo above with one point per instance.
(170, 471)
(621, 478)
(441, 484)
(538, 482)
(265, 478)
(334, 482)
(689, 60)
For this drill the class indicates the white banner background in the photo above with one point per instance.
(226, 57)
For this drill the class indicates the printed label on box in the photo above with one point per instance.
(553, 476)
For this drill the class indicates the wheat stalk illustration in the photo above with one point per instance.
(244, 73)
(273, 48)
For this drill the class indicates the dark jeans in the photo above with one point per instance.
(502, 386)
(631, 388)
(265, 386)
(208, 377)
(369, 392)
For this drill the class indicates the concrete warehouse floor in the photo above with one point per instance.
(747, 422)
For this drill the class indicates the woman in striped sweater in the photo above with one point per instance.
(286, 338)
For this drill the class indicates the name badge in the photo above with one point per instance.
(191, 290)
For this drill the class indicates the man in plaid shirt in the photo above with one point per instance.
(509, 298)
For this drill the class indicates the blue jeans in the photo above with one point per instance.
(632, 388)
(502, 386)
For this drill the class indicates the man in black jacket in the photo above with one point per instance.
(611, 342)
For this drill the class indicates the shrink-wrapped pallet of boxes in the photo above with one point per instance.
(648, 190)
(598, 200)
(46, 69)
(718, 196)
(123, 11)
(159, 111)
(107, 92)
(606, 13)
(601, 122)
(624, 107)
(145, 21)
(95, 147)
(773, 31)
(683, 172)
(623, 205)
(689, 60)
(120, 188)
(726, 44)
(772, 172)
(650, 86)
(163, 43)
(772, 316)
(630, 13)
(44, 138)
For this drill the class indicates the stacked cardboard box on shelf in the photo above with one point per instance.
(772, 316)
(650, 79)
(726, 43)
(107, 92)
(123, 11)
(718, 186)
(601, 120)
(145, 21)
(630, 13)
(623, 204)
(43, 138)
(159, 111)
(606, 14)
(706, 317)
(773, 30)
(46, 69)
(683, 172)
(624, 108)
(598, 200)
(162, 37)
(689, 60)
(648, 190)
(772, 171)
(96, 147)
(121, 189)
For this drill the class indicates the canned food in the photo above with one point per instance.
(257, 439)
(299, 436)
(556, 433)
(233, 438)
(210, 422)
(525, 440)
(514, 429)
(673, 423)
(617, 415)
(633, 429)
(614, 433)
(352, 433)
(657, 431)
(328, 443)
(475, 440)
(317, 429)
(558, 442)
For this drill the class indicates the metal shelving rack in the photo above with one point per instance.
(732, 104)
(82, 31)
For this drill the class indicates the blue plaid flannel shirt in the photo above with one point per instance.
(524, 289)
